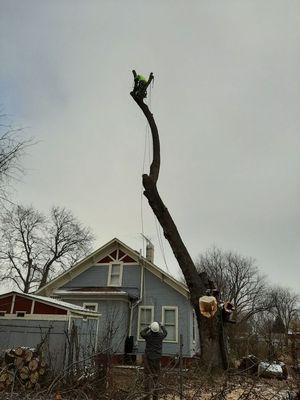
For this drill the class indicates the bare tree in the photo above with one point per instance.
(285, 306)
(238, 279)
(271, 327)
(12, 149)
(34, 248)
(213, 352)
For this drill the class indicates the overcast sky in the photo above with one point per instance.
(226, 100)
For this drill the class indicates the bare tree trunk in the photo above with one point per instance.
(45, 273)
(209, 331)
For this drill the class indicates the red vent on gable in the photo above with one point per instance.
(128, 259)
(121, 254)
(106, 260)
(114, 254)
(5, 304)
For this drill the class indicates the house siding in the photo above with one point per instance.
(158, 294)
(95, 275)
(113, 327)
(131, 280)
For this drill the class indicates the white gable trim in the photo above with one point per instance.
(92, 259)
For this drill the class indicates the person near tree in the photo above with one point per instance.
(154, 335)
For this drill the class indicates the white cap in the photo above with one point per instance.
(154, 327)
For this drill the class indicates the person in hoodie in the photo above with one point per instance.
(154, 335)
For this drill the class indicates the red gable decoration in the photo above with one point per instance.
(117, 255)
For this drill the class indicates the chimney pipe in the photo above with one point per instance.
(150, 252)
(149, 249)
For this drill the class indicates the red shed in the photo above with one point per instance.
(31, 306)
(27, 319)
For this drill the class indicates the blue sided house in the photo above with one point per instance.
(130, 292)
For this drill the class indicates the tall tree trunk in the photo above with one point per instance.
(211, 333)
(45, 274)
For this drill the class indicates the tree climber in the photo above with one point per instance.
(140, 85)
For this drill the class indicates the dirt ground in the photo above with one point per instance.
(127, 384)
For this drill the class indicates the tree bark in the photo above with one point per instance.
(213, 353)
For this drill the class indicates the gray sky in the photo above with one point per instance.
(226, 99)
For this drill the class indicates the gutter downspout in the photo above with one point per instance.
(141, 295)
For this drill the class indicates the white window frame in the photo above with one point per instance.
(91, 304)
(109, 273)
(21, 312)
(139, 319)
(173, 308)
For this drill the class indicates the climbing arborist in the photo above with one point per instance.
(140, 85)
(154, 335)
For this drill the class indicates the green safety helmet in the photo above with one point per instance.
(141, 78)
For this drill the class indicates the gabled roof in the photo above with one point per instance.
(92, 259)
(53, 302)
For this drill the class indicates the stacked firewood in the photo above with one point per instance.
(23, 366)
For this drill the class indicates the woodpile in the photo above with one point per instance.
(22, 366)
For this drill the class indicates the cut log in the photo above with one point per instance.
(208, 306)
(34, 377)
(28, 355)
(24, 364)
(33, 364)
(19, 362)
(19, 351)
(24, 373)
(9, 379)
(29, 385)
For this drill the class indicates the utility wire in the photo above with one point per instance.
(157, 225)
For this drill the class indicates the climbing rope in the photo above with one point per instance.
(147, 153)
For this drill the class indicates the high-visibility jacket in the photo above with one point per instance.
(141, 78)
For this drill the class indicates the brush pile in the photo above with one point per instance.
(22, 366)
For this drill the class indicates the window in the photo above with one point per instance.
(21, 314)
(170, 321)
(91, 306)
(146, 317)
(115, 274)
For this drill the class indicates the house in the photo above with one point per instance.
(32, 321)
(130, 292)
